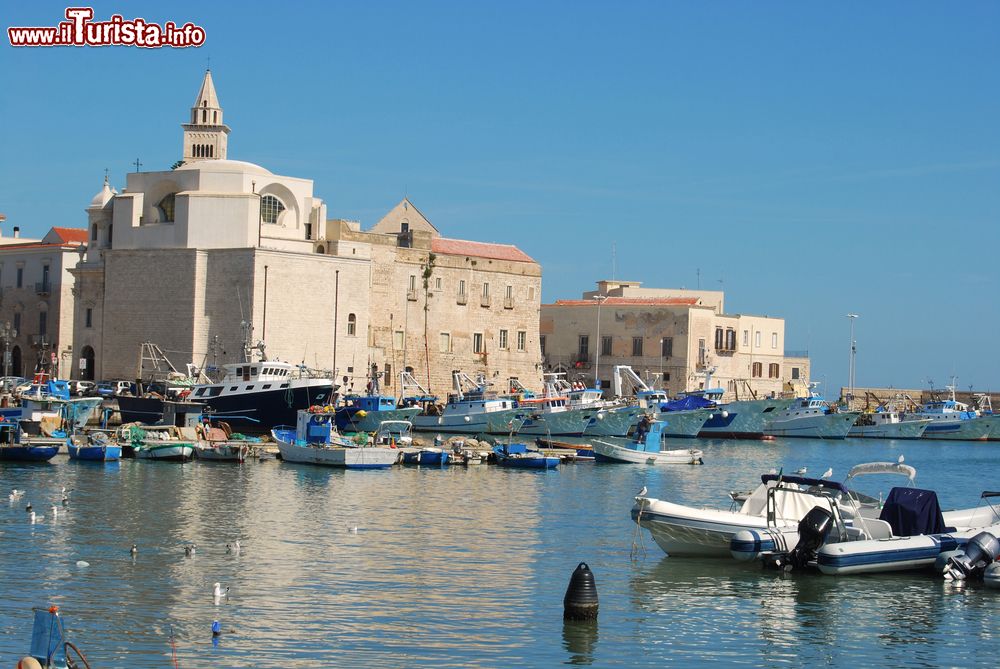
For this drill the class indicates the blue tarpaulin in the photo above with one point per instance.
(912, 511)
(686, 404)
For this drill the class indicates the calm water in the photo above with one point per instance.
(460, 567)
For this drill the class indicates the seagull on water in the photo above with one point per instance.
(353, 529)
(827, 474)
(35, 518)
(15, 494)
(134, 550)
(900, 460)
(218, 593)
(233, 547)
(28, 508)
(801, 471)
(189, 550)
(642, 493)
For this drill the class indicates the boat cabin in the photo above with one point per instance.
(315, 425)
(248, 377)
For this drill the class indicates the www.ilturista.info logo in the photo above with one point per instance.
(81, 30)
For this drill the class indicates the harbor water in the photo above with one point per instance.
(461, 567)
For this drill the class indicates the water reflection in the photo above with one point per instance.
(580, 640)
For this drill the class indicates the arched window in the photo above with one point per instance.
(352, 325)
(166, 207)
(15, 361)
(215, 117)
(204, 116)
(320, 249)
(270, 209)
(87, 357)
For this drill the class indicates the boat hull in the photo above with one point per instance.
(606, 451)
(165, 450)
(974, 429)
(569, 423)
(684, 423)
(616, 422)
(222, 452)
(373, 457)
(250, 413)
(743, 419)
(819, 426)
(28, 453)
(909, 429)
(105, 453)
(368, 421)
(884, 555)
(494, 422)
(540, 462)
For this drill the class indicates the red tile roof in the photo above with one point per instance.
(629, 302)
(32, 245)
(461, 247)
(72, 235)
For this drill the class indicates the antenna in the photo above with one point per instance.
(698, 273)
(614, 260)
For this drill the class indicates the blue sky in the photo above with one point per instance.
(813, 159)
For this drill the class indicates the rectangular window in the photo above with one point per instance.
(20, 277)
(702, 352)
(584, 348)
(774, 340)
(17, 321)
(510, 293)
(667, 347)
(795, 373)
(730, 339)
(461, 287)
(45, 277)
(486, 291)
(444, 342)
(89, 318)
(605, 345)
(387, 375)
(309, 231)
(531, 293)
(397, 340)
(522, 340)
(477, 342)
(636, 346)
(541, 342)
(720, 339)
(756, 338)
(503, 340)
(437, 283)
(43, 322)
(746, 337)
(666, 376)
(413, 282)
(773, 371)
(757, 370)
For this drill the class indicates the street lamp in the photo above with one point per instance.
(662, 339)
(6, 334)
(597, 349)
(854, 351)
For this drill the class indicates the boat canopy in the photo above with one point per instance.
(802, 480)
(882, 468)
(687, 403)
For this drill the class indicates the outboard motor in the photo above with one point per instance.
(814, 529)
(980, 552)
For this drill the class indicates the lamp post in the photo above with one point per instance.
(662, 339)
(597, 349)
(854, 351)
(7, 333)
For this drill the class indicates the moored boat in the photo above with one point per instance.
(554, 414)
(17, 446)
(811, 417)
(315, 440)
(517, 456)
(471, 409)
(952, 420)
(887, 423)
(94, 447)
(646, 449)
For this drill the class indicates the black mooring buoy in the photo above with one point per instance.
(580, 602)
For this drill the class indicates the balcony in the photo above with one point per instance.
(462, 298)
(38, 340)
(725, 350)
(411, 294)
(43, 288)
(484, 301)
(508, 303)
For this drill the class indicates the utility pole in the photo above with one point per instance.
(854, 352)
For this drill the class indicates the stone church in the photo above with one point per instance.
(184, 257)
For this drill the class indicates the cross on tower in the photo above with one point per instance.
(137, 164)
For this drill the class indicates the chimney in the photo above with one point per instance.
(17, 232)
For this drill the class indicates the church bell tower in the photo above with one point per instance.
(205, 136)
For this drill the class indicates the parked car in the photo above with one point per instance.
(111, 388)
(82, 388)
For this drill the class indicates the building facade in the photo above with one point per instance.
(36, 301)
(672, 338)
(183, 258)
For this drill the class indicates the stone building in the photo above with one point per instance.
(36, 300)
(183, 257)
(671, 338)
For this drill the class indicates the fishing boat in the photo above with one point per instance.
(16, 445)
(684, 417)
(216, 442)
(985, 408)
(646, 449)
(315, 440)
(577, 451)
(553, 414)
(471, 409)
(49, 400)
(399, 434)
(886, 422)
(517, 456)
(613, 418)
(169, 444)
(951, 419)
(811, 417)
(364, 413)
(94, 447)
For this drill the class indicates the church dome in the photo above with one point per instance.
(224, 165)
(103, 196)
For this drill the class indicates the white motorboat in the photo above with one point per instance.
(315, 440)
(887, 424)
(778, 502)
(554, 414)
(646, 449)
(170, 443)
(953, 420)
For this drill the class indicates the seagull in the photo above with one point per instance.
(134, 550)
(28, 508)
(900, 460)
(15, 494)
(189, 550)
(65, 499)
(827, 474)
(35, 518)
(801, 471)
(218, 593)
(353, 529)
(642, 493)
(233, 547)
